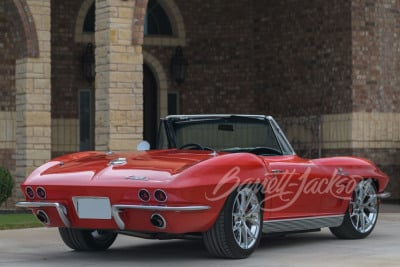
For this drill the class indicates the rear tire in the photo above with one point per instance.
(87, 240)
(237, 230)
(361, 215)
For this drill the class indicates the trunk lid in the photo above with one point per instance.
(150, 166)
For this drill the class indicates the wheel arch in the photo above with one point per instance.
(218, 177)
(359, 168)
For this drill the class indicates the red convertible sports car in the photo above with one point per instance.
(225, 179)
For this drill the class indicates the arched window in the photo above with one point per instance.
(85, 22)
(157, 21)
(163, 24)
(88, 24)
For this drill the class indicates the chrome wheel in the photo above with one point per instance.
(362, 213)
(363, 207)
(246, 218)
(237, 231)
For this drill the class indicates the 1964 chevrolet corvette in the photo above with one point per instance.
(225, 179)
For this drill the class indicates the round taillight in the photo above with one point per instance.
(160, 195)
(144, 195)
(41, 192)
(29, 192)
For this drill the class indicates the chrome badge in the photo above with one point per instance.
(136, 178)
(118, 161)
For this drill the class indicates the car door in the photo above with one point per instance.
(292, 188)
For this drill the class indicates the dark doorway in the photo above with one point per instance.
(87, 96)
(86, 118)
(150, 109)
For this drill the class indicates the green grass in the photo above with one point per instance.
(16, 221)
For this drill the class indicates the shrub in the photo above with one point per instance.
(6, 184)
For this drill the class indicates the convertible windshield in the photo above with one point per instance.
(230, 134)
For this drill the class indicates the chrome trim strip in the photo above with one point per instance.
(306, 218)
(161, 208)
(59, 207)
(116, 209)
(300, 224)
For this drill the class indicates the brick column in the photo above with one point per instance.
(33, 97)
(119, 80)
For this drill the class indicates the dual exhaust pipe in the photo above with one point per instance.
(156, 219)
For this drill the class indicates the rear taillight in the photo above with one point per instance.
(30, 193)
(41, 193)
(160, 195)
(144, 195)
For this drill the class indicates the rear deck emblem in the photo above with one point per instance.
(118, 161)
(136, 178)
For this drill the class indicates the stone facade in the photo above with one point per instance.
(119, 82)
(327, 70)
(376, 85)
(376, 57)
(33, 98)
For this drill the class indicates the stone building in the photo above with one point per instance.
(96, 74)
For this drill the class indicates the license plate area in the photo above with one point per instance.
(92, 207)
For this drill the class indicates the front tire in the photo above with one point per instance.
(361, 215)
(237, 230)
(87, 240)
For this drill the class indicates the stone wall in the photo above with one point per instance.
(376, 85)
(281, 58)
(376, 56)
(303, 57)
(278, 58)
(33, 97)
(11, 38)
(119, 74)
(67, 78)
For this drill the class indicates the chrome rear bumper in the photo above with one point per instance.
(115, 209)
(62, 211)
(121, 225)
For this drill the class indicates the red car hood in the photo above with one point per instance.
(86, 167)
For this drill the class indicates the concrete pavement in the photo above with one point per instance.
(43, 247)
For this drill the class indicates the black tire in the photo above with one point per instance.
(87, 240)
(361, 215)
(224, 238)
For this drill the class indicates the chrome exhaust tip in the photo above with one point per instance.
(43, 217)
(158, 221)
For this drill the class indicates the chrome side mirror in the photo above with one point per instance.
(143, 146)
